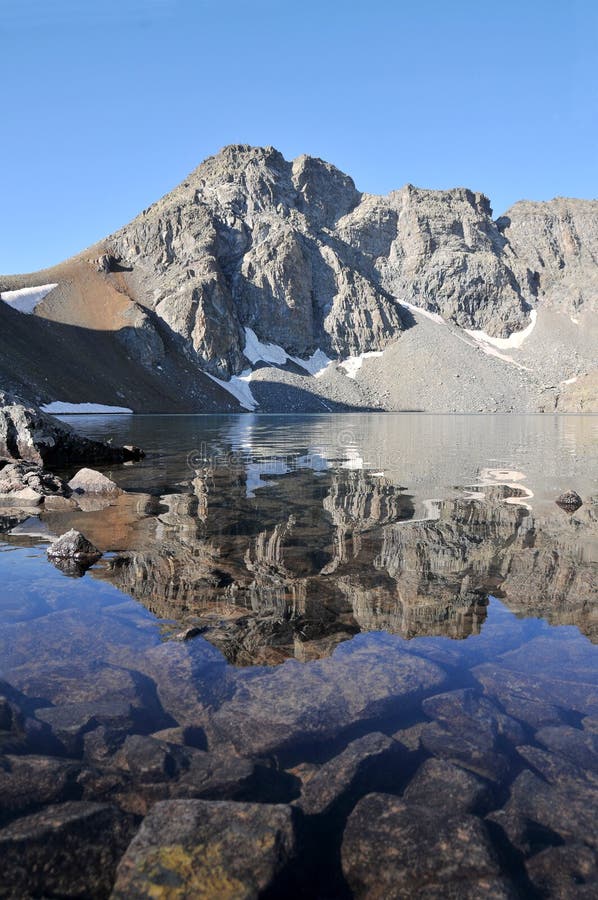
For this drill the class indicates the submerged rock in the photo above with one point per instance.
(30, 781)
(88, 481)
(569, 872)
(469, 730)
(195, 848)
(69, 850)
(366, 763)
(439, 784)
(394, 849)
(577, 746)
(295, 703)
(71, 722)
(538, 814)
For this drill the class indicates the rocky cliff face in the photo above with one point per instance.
(557, 242)
(296, 253)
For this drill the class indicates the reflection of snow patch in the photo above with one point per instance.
(513, 342)
(354, 461)
(353, 364)
(57, 408)
(26, 299)
(434, 317)
(510, 478)
(498, 476)
(238, 386)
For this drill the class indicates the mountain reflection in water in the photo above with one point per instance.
(270, 560)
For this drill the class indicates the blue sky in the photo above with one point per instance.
(106, 106)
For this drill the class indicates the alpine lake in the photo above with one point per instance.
(321, 656)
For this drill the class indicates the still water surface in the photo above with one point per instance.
(332, 574)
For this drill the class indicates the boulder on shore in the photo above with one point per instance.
(26, 484)
(88, 481)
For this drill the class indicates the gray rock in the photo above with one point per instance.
(186, 736)
(28, 434)
(383, 852)
(218, 776)
(201, 848)
(475, 750)
(290, 231)
(293, 251)
(148, 759)
(30, 781)
(88, 481)
(73, 554)
(577, 746)
(410, 737)
(101, 743)
(294, 703)
(438, 784)
(561, 772)
(536, 811)
(466, 711)
(365, 764)
(73, 545)
(468, 730)
(69, 723)
(24, 484)
(566, 873)
(569, 500)
(159, 770)
(68, 850)
(529, 700)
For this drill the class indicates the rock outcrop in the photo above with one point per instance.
(30, 435)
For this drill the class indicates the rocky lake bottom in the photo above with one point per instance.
(329, 656)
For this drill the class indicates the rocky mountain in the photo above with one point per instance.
(263, 282)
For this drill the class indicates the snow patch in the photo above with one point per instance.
(353, 364)
(513, 342)
(26, 299)
(570, 380)
(256, 351)
(57, 408)
(316, 365)
(238, 386)
(434, 317)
